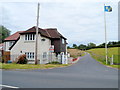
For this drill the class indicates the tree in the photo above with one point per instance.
(101, 45)
(4, 32)
(91, 45)
(82, 47)
(74, 46)
(110, 43)
(118, 42)
(68, 47)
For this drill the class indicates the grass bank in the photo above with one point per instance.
(99, 54)
(30, 66)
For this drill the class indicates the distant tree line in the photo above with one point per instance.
(4, 32)
(93, 45)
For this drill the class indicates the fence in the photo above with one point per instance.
(42, 59)
(113, 60)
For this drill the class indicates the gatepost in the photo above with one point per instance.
(62, 58)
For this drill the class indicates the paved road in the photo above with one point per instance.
(86, 73)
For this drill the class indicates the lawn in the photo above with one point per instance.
(99, 54)
(31, 66)
(76, 53)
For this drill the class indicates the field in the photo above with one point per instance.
(99, 54)
(76, 53)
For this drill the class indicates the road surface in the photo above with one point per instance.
(86, 73)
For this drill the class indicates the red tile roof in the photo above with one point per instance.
(14, 36)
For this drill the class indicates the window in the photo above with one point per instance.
(42, 39)
(30, 37)
(26, 37)
(63, 41)
(44, 55)
(29, 55)
(11, 43)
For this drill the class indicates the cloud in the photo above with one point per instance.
(79, 22)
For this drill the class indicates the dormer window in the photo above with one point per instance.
(30, 37)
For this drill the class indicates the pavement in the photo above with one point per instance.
(86, 73)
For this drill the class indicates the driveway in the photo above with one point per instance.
(86, 73)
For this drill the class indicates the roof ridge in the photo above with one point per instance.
(51, 28)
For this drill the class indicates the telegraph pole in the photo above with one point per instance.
(106, 51)
(36, 43)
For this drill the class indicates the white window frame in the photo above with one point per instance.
(29, 37)
(30, 55)
(44, 55)
(11, 43)
(63, 41)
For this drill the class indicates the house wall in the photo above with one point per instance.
(7, 45)
(23, 46)
(59, 46)
(56, 43)
(63, 46)
(43, 48)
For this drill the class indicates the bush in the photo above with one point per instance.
(22, 59)
(54, 62)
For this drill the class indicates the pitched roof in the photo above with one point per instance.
(54, 33)
(33, 30)
(14, 36)
(50, 32)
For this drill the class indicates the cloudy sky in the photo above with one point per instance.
(80, 22)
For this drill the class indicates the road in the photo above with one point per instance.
(86, 73)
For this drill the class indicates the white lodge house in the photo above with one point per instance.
(23, 42)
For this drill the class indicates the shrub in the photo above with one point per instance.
(22, 59)
(54, 62)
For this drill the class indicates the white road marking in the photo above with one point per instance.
(8, 86)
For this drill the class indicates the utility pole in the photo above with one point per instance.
(106, 51)
(36, 43)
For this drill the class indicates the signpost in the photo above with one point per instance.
(51, 49)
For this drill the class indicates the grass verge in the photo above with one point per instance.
(99, 55)
(30, 66)
(103, 62)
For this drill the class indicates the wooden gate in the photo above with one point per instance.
(6, 56)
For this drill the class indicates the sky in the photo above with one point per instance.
(80, 21)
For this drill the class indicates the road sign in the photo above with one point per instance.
(51, 49)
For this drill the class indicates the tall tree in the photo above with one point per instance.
(82, 47)
(4, 32)
(68, 47)
(91, 45)
(74, 46)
